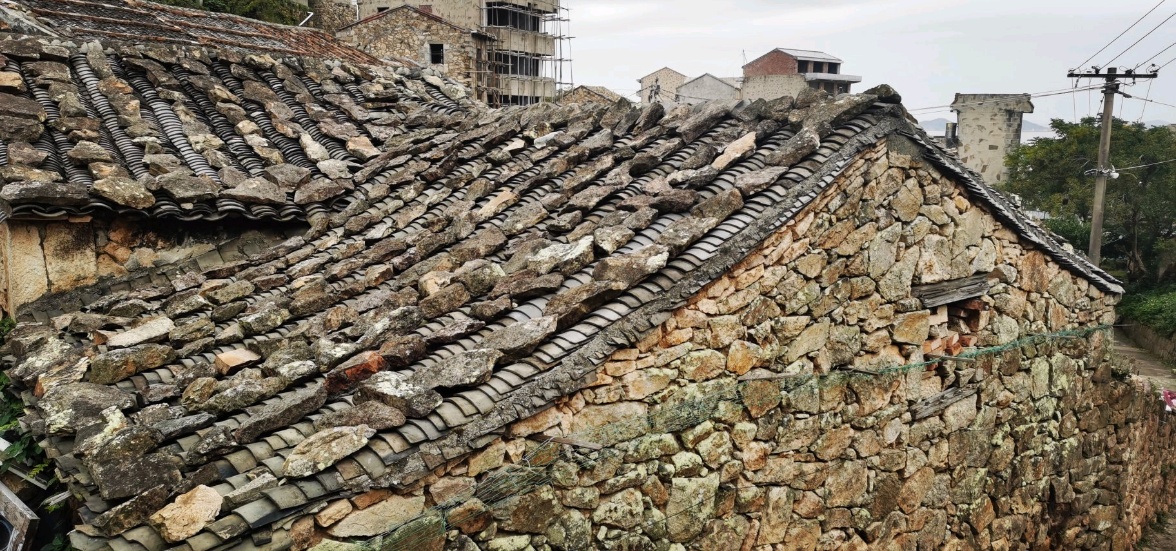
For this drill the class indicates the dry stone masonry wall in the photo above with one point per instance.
(791, 405)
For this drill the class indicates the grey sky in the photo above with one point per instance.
(927, 49)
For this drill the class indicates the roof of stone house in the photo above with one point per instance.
(660, 70)
(143, 22)
(189, 132)
(413, 9)
(801, 54)
(483, 276)
(732, 82)
(604, 93)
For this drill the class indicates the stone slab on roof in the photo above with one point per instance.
(141, 22)
(467, 285)
(605, 93)
(189, 132)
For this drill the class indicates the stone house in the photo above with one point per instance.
(660, 86)
(510, 51)
(590, 94)
(706, 88)
(408, 33)
(795, 324)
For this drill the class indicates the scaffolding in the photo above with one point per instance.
(524, 54)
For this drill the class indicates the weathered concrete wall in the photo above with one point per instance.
(733, 424)
(407, 34)
(706, 88)
(773, 86)
(989, 128)
(49, 258)
(668, 79)
(772, 63)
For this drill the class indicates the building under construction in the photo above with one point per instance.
(508, 52)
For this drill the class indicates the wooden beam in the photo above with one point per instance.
(956, 290)
(935, 405)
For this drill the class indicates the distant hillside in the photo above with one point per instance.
(1030, 126)
(935, 125)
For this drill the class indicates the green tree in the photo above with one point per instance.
(1055, 175)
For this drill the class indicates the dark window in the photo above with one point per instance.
(818, 67)
(834, 68)
(516, 64)
(505, 15)
(436, 54)
(381, 10)
(802, 67)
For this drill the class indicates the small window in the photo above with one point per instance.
(381, 10)
(436, 54)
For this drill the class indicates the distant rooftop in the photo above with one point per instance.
(809, 55)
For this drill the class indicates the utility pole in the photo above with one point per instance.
(1111, 76)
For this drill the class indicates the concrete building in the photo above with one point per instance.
(660, 85)
(707, 88)
(780, 72)
(989, 128)
(785, 72)
(510, 52)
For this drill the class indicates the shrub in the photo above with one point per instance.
(1155, 308)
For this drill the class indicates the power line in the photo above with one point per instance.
(1045, 94)
(1149, 33)
(1153, 101)
(1170, 46)
(1146, 97)
(1104, 48)
(1147, 165)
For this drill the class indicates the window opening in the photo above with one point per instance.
(436, 54)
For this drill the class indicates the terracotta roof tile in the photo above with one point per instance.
(371, 336)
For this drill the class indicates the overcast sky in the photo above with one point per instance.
(927, 49)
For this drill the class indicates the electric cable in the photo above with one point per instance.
(1138, 21)
(1149, 33)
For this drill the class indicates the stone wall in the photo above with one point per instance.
(407, 34)
(989, 128)
(706, 88)
(1154, 341)
(773, 86)
(790, 405)
(50, 258)
(668, 79)
(331, 15)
